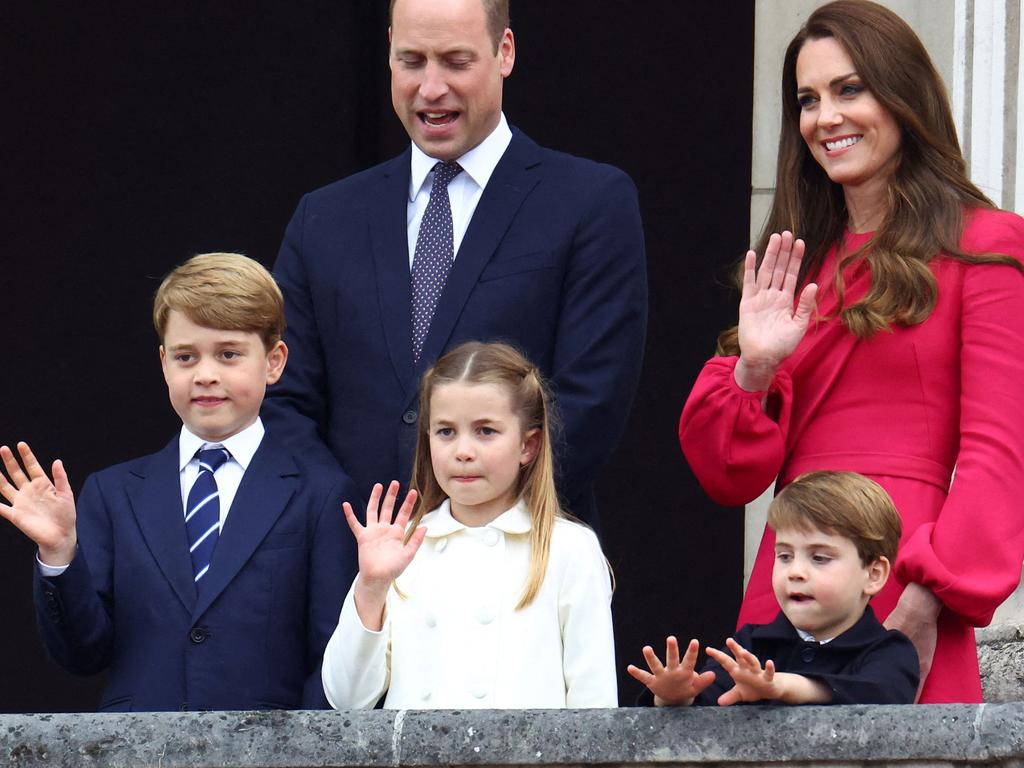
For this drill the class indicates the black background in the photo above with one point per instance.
(137, 134)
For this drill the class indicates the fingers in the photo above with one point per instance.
(60, 478)
(28, 458)
(771, 256)
(387, 509)
(749, 272)
(769, 671)
(417, 538)
(792, 271)
(13, 468)
(690, 657)
(730, 697)
(702, 681)
(805, 306)
(671, 652)
(373, 504)
(6, 489)
(350, 518)
(405, 511)
(653, 662)
(639, 674)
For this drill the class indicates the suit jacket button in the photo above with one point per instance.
(807, 654)
(197, 635)
(409, 417)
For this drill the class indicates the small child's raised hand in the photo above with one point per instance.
(674, 683)
(384, 552)
(42, 510)
(751, 682)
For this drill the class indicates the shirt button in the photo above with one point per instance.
(491, 537)
(807, 654)
(425, 696)
(478, 691)
(197, 635)
(409, 417)
(441, 546)
(484, 614)
(430, 620)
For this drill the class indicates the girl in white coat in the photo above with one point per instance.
(493, 598)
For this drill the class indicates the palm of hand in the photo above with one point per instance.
(383, 552)
(41, 510)
(768, 329)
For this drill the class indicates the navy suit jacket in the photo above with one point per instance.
(254, 635)
(552, 262)
(866, 664)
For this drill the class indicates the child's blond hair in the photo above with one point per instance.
(226, 291)
(841, 503)
(504, 366)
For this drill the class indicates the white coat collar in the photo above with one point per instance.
(439, 522)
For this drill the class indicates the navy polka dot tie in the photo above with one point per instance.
(202, 511)
(434, 255)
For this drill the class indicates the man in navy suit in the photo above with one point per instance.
(209, 575)
(545, 251)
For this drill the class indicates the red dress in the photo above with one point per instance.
(903, 408)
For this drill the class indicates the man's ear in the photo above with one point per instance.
(531, 446)
(507, 52)
(163, 361)
(878, 573)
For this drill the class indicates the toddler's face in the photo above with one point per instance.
(820, 582)
(477, 447)
(216, 379)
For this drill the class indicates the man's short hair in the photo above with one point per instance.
(225, 291)
(845, 504)
(497, 18)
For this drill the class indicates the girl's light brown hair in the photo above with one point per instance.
(226, 291)
(927, 192)
(505, 367)
(846, 504)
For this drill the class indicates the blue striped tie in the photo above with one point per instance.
(202, 511)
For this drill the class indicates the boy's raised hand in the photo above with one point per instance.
(43, 511)
(384, 552)
(674, 683)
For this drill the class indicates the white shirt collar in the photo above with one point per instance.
(479, 163)
(439, 522)
(807, 637)
(242, 446)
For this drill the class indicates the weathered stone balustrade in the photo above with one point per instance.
(906, 736)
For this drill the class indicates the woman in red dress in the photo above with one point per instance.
(889, 340)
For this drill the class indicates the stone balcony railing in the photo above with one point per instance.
(989, 734)
(906, 736)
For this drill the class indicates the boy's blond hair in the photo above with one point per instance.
(844, 504)
(226, 291)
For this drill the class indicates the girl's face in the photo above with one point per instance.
(477, 448)
(851, 135)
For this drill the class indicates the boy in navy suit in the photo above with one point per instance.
(836, 539)
(209, 575)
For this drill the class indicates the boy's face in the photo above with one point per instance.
(216, 379)
(821, 583)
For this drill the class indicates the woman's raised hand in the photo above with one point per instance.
(769, 327)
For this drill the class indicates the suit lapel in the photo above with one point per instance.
(267, 486)
(156, 503)
(508, 186)
(387, 208)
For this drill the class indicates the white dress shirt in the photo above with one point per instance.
(455, 641)
(242, 447)
(464, 190)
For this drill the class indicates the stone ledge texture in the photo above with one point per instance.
(919, 736)
(1001, 659)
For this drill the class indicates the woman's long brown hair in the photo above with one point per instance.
(928, 190)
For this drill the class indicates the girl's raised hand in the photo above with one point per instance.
(383, 551)
(43, 510)
(769, 327)
(674, 683)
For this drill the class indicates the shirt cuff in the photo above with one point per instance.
(49, 571)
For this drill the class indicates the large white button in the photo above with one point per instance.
(485, 614)
(491, 537)
(430, 620)
(478, 691)
(425, 696)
